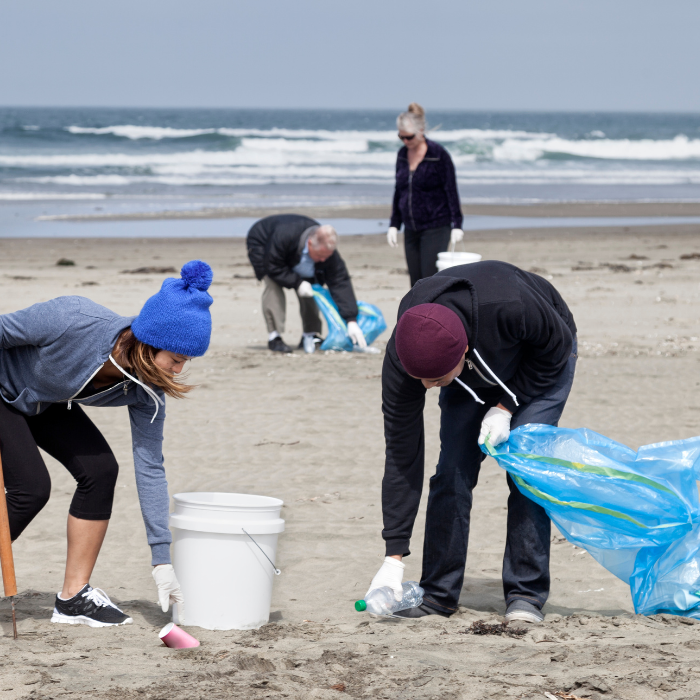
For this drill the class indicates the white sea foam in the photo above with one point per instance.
(134, 132)
(30, 196)
(679, 148)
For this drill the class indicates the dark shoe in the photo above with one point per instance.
(278, 345)
(521, 610)
(420, 611)
(309, 343)
(90, 606)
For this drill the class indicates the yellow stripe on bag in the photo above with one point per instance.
(590, 469)
(575, 504)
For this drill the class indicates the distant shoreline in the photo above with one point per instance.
(554, 209)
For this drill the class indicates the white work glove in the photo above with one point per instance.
(495, 426)
(392, 236)
(305, 289)
(456, 236)
(356, 335)
(169, 590)
(390, 574)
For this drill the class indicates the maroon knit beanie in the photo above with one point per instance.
(430, 340)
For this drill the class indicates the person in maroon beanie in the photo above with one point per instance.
(501, 345)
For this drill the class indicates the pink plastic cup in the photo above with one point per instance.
(177, 638)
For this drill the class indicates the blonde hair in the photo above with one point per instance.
(131, 353)
(412, 120)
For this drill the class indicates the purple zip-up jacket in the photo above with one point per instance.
(428, 197)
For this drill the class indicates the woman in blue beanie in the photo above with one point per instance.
(69, 351)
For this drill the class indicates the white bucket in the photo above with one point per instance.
(449, 259)
(226, 579)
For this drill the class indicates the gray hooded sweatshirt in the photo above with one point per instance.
(48, 354)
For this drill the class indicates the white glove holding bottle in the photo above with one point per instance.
(456, 236)
(356, 335)
(169, 590)
(392, 236)
(305, 289)
(390, 574)
(495, 426)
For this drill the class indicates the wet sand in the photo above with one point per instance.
(308, 429)
(568, 209)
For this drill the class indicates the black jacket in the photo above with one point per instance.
(428, 197)
(519, 325)
(275, 245)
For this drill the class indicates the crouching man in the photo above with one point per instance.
(291, 251)
(500, 343)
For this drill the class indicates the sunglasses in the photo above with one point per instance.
(407, 138)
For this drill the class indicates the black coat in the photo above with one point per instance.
(426, 198)
(520, 326)
(275, 245)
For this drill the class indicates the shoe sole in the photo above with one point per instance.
(83, 620)
(523, 617)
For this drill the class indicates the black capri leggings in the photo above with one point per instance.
(71, 438)
(422, 248)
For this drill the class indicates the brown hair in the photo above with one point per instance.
(131, 353)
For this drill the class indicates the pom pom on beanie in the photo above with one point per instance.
(430, 341)
(177, 318)
(197, 274)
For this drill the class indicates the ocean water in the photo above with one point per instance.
(87, 160)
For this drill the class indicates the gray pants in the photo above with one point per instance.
(274, 307)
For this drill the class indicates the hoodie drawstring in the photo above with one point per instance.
(156, 399)
(493, 374)
(469, 389)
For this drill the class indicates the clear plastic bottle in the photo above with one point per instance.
(381, 601)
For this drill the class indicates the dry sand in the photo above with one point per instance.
(308, 429)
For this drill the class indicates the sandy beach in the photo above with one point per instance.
(308, 430)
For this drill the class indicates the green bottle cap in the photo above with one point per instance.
(360, 606)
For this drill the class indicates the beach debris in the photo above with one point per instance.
(273, 442)
(562, 696)
(339, 687)
(65, 262)
(148, 270)
(634, 256)
(499, 628)
(616, 267)
(176, 638)
(690, 256)
(326, 498)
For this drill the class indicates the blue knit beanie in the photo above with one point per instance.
(177, 318)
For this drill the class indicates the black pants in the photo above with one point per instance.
(71, 438)
(422, 248)
(526, 558)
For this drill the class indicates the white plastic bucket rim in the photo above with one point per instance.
(227, 513)
(459, 258)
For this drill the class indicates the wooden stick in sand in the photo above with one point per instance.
(6, 560)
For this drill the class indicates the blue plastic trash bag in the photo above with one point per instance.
(370, 320)
(637, 513)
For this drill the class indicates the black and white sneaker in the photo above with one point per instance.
(90, 606)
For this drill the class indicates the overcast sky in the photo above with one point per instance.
(364, 54)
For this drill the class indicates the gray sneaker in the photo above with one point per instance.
(523, 611)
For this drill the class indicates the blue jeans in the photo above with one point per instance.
(526, 558)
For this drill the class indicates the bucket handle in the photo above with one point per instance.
(454, 245)
(277, 571)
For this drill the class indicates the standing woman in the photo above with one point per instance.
(426, 201)
(69, 351)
